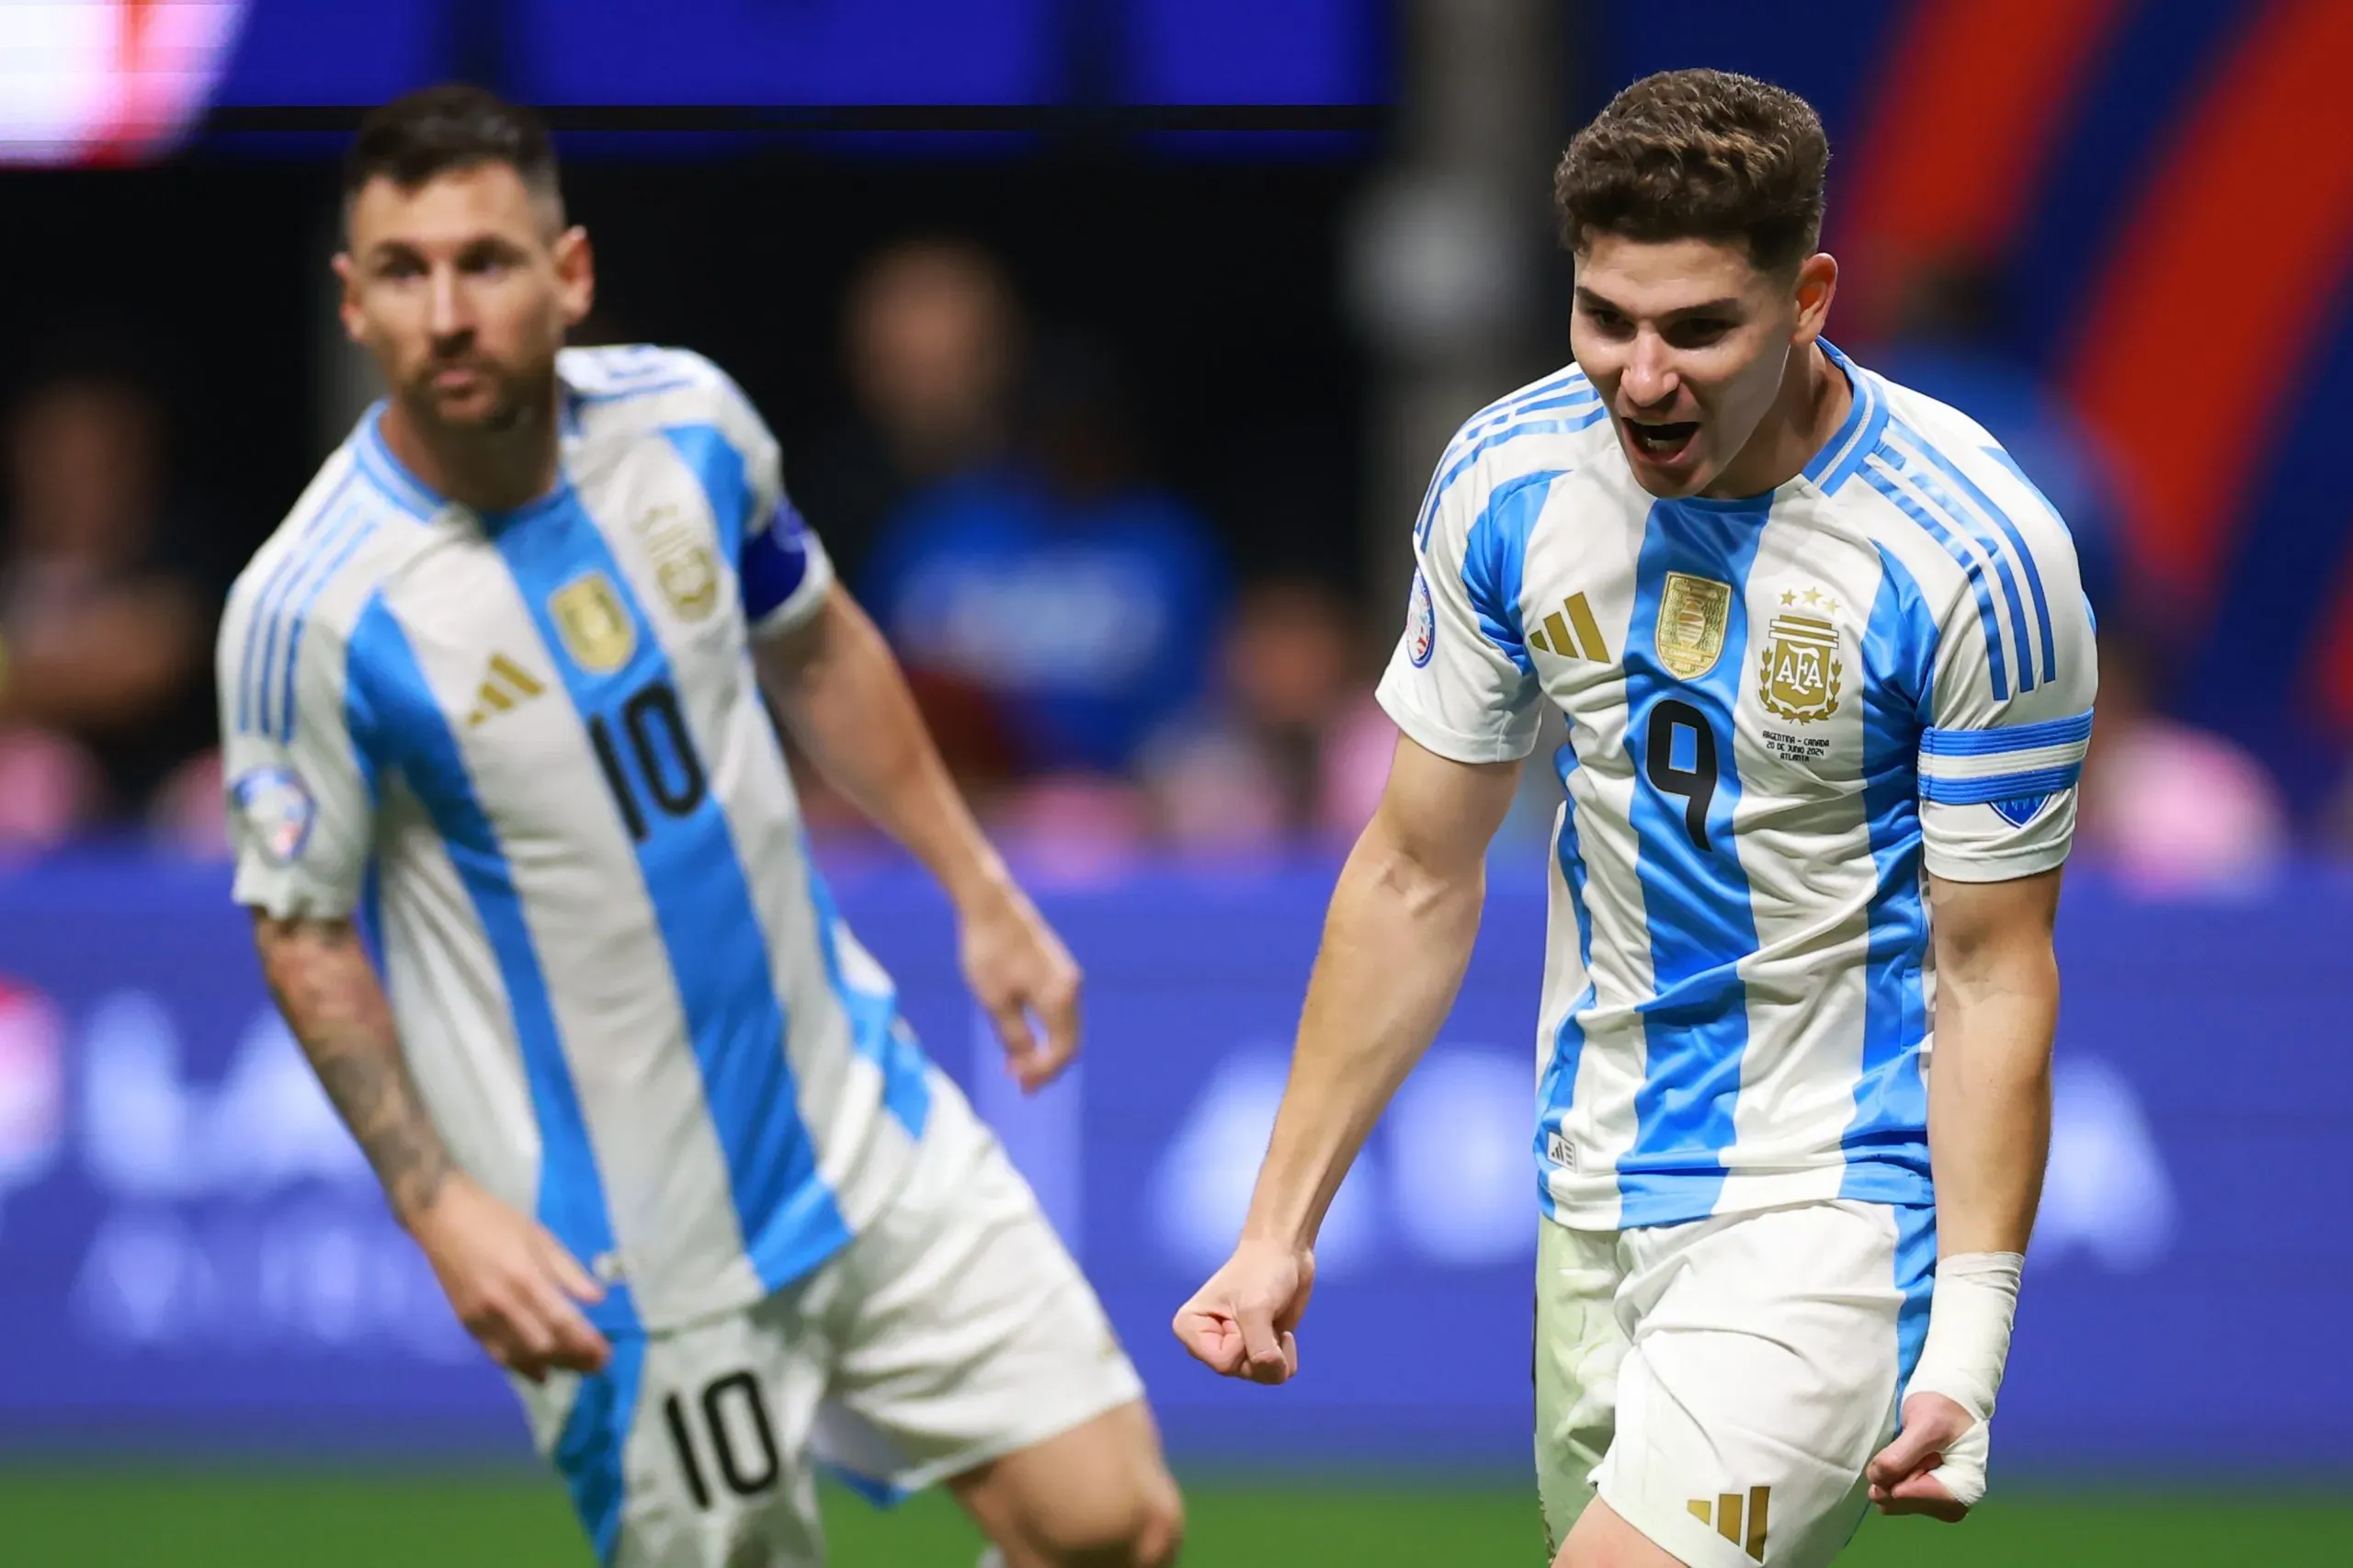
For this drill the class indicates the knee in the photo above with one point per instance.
(1144, 1527)
(1160, 1531)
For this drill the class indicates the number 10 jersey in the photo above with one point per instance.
(1782, 714)
(531, 752)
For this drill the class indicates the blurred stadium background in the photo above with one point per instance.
(1109, 341)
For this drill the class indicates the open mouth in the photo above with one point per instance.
(1662, 442)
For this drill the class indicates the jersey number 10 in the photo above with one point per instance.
(655, 733)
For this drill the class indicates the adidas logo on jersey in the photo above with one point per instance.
(1570, 632)
(1726, 1513)
(507, 685)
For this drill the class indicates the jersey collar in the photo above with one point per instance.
(390, 476)
(1866, 418)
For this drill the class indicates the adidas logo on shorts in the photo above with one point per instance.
(1727, 1514)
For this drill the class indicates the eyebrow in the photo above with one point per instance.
(396, 245)
(1728, 304)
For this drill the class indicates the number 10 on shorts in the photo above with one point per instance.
(746, 1458)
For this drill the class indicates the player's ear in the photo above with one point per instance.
(347, 273)
(1817, 284)
(576, 271)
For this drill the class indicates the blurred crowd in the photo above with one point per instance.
(105, 627)
(1097, 671)
(1102, 674)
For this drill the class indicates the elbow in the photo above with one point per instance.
(2022, 965)
(1424, 888)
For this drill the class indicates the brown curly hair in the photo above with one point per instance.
(1699, 155)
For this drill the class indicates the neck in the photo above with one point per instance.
(488, 469)
(1813, 402)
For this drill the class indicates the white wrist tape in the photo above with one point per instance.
(1962, 1471)
(1968, 1344)
(1969, 1330)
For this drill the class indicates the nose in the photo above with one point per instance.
(1650, 378)
(450, 315)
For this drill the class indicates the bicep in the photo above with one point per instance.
(1440, 814)
(1991, 929)
(318, 970)
(793, 658)
(287, 942)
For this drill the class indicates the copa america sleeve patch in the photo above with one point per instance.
(1423, 619)
(276, 811)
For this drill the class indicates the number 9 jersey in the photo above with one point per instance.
(1783, 712)
(529, 750)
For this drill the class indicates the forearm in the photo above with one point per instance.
(337, 1009)
(1395, 944)
(841, 694)
(1989, 1100)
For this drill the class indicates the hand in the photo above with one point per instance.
(510, 1282)
(1018, 968)
(1240, 1324)
(1903, 1477)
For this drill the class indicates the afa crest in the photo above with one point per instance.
(690, 580)
(684, 567)
(1798, 673)
(598, 631)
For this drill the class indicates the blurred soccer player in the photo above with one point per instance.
(1828, 676)
(637, 1093)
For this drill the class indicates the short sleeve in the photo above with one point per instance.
(780, 567)
(1460, 682)
(300, 792)
(2010, 717)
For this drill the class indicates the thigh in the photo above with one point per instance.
(1766, 1351)
(691, 1449)
(964, 1330)
(1578, 1347)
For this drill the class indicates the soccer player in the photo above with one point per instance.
(1827, 674)
(641, 1099)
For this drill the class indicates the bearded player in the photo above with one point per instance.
(1827, 672)
(625, 1075)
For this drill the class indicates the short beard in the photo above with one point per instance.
(511, 405)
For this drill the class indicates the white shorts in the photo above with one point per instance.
(1721, 1384)
(954, 1330)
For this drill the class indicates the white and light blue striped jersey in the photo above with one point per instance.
(1783, 713)
(531, 748)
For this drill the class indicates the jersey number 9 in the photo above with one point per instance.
(663, 755)
(1696, 785)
